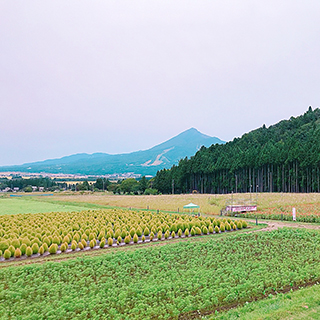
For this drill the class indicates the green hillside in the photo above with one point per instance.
(282, 158)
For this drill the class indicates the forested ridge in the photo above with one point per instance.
(282, 158)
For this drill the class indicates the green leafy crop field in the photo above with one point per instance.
(162, 282)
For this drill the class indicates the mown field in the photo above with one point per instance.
(165, 281)
(33, 205)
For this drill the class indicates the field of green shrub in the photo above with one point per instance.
(162, 282)
(25, 235)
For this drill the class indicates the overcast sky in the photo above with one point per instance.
(120, 76)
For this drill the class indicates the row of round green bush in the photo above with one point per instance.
(64, 227)
(24, 249)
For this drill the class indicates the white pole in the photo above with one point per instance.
(294, 214)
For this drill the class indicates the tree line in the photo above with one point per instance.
(282, 158)
(127, 186)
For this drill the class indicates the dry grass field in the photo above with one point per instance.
(209, 203)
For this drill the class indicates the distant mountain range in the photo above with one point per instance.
(146, 162)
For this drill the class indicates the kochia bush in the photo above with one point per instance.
(7, 254)
(53, 248)
(17, 253)
(127, 240)
(110, 242)
(23, 248)
(35, 248)
(29, 252)
(91, 243)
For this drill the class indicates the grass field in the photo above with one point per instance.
(32, 205)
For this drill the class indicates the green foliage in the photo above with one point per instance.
(102, 242)
(143, 238)
(110, 242)
(132, 232)
(4, 244)
(7, 254)
(53, 248)
(84, 243)
(222, 227)
(146, 231)
(84, 237)
(127, 240)
(23, 248)
(135, 238)
(173, 234)
(80, 245)
(63, 247)
(29, 251)
(15, 243)
(91, 244)
(12, 250)
(210, 229)
(186, 232)
(41, 250)
(45, 247)
(129, 185)
(73, 245)
(117, 233)
(193, 232)
(167, 234)
(124, 233)
(239, 224)
(150, 191)
(17, 253)
(216, 229)
(119, 239)
(205, 230)
(198, 231)
(139, 231)
(159, 235)
(56, 240)
(35, 248)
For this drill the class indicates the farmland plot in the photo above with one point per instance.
(26, 235)
(165, 281)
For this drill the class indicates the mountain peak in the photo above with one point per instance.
(161, 156)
